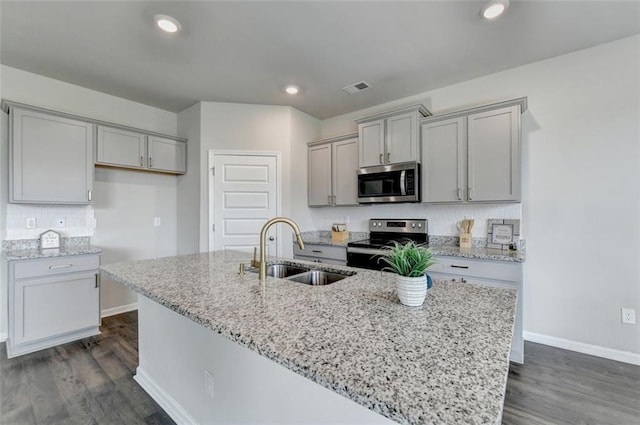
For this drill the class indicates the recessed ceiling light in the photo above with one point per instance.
(494, 9)
(291, 89)
(167, 23)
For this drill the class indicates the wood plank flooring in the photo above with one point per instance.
(91, 382)
(84, 382)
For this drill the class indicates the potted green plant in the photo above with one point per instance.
(410, 262)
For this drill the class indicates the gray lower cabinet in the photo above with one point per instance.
(473, 155)
(321, 253)
(332, 166)
(118, 147)
(491, 273)
(52, 301)
(50, 158)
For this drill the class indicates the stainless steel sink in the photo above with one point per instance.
(317, 277)
(282, 270)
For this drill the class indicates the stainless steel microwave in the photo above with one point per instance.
(389, 183)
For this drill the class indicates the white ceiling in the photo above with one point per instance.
(248, 51)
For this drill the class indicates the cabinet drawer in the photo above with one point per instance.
(478, 268)
(321, 251)
(53, 266)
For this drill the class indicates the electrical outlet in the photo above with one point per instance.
(30, 223)
(208, 384)
(156, 221)
(629, 316)
(61, 222)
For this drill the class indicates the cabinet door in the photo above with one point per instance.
(52, 306)
(371, 145)
(51, 159)
(344, 172)
(402, 138)
(443, 160)
(494, 155)
(121, 148)
(319, 166)
(167, 155)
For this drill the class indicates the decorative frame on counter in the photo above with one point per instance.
(503, 233)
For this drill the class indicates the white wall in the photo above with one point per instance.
(581, 187)
(125, 202)
(189, 126)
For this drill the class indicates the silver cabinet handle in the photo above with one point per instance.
(388, 157)
(329, 199)
(459, 267)
(141, 161)
(97, 280)
(380, 158)
(334, 200)
(61, 266)
(469, 192)
(316, 251)
(150, 163)
(89, 195)
(459, 194)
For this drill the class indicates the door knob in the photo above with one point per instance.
(271, 238)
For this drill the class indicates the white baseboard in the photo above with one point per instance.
(166, 401)
(120, 309)
(3, 336)
(581, 347)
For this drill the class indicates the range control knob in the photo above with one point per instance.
(413, 224)
(374, 224)
(419, 225)
(379, 224)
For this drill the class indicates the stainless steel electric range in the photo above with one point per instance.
(383, 233)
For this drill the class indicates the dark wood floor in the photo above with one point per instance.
(91, 382)
(85, 382)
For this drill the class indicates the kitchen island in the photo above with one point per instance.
(201, 325)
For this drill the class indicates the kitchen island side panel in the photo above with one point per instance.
(175, 354)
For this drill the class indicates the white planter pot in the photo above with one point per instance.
(411, 290)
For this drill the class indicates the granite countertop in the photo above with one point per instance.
(440, 245)
(34, 253)
(443, 363)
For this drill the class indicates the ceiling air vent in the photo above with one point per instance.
(356, 87)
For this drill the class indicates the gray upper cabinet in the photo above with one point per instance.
(443, 160)
(332, 165)
(494, 155)
(118, 147)
(121, 148)
(167, 155)
(51, 158)
(473, 155)
(390, 137)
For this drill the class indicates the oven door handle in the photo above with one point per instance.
(369, 251)
(403, 185)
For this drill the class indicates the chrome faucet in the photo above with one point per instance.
(262, 264)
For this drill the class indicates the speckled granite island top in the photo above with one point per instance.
(32, 254)
(444, 363)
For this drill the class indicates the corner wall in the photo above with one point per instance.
(581, 188)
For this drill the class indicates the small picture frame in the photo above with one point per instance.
(50, 240)
(503, 233)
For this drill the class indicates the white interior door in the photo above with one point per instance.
(245, 195)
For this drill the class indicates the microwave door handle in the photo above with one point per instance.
(403, 177)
